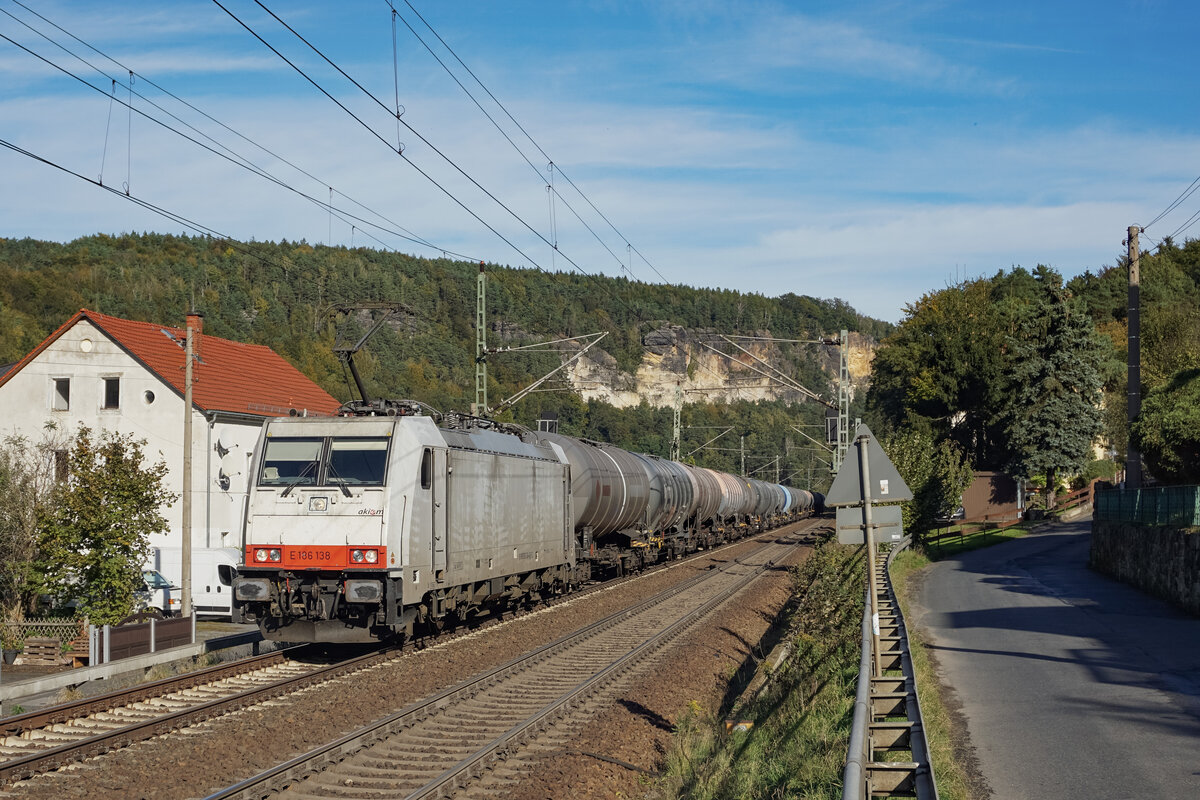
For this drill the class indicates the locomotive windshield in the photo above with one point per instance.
(291, 462)
(357, 461)
(297, 461)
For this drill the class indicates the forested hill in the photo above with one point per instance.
(279, 294)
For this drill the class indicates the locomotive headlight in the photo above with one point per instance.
(260, 555)
(356, 556)
(372, 556)
(276, 554)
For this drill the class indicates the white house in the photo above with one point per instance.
(116, 374)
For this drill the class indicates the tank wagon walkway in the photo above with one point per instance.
(1072, 685)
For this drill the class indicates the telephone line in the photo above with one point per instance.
(1184, 195)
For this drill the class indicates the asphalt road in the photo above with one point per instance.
(1072, 685)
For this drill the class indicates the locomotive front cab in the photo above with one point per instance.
(316, 550)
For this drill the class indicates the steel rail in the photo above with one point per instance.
(65, 712)
(281, 776)
(469, 767)
(55, 757)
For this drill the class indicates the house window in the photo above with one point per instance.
(62, 394)
(112, 393)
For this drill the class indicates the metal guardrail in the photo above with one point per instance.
(887, 713)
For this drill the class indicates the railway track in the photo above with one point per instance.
(474, 739)
(45, 740)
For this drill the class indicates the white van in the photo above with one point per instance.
(157, 593)
(212, 576)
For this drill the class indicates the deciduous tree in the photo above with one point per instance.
(26, 483)
(94, 535)
(1168, 429)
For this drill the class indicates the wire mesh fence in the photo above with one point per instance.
(1164, 505)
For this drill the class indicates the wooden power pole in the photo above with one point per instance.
(1133, 458)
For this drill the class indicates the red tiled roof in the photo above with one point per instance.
(226, 376)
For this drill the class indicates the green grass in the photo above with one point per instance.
(797, 747)
(953, 545)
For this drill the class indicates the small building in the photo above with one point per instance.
(128, 377)
(992, 495)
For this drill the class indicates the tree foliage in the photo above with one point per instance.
(26, 484)
(1052, 380)
(1001, 373)
(281, 295)
(1170, 351)
(1168, 429)
(93, 537)
(937, 473)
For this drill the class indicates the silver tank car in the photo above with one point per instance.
(672, 494)
(609, 487)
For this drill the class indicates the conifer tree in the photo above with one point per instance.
(1053, 378)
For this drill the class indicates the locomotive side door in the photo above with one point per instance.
(438, 478)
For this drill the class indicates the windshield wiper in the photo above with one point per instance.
(299, 478)
(334, 476)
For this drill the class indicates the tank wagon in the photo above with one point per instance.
(369, 527)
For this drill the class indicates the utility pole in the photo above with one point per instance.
(481, 403)
(1133, 458)
(843, 400)
(676, 429)
(864, 475)
(186, 506)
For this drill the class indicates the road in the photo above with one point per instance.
(1072, 685)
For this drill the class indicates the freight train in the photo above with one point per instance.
(377, 526)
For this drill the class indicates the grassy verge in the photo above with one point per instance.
(953, 545)
(797, 747)
(945, 742)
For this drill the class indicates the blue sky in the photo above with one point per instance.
(871, 151)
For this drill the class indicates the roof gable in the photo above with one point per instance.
(226, 376)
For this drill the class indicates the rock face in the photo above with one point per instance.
(684, 358)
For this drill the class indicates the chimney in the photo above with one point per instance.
(195, 321)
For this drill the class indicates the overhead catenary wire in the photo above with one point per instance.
(228, 154)
(176, 217)
(245, 163)
(449, 161)
(525, 132)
